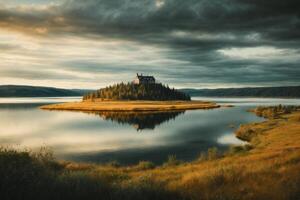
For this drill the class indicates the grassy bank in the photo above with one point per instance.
(266, 168)
(132, 105)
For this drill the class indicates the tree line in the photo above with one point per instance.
(130, 91)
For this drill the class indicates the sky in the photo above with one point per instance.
(185, 44)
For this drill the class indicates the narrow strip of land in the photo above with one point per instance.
(132, 105)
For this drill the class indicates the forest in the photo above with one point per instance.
(130, 91)
(264, 92)
(36, 91)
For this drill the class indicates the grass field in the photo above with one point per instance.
(268, 167)
(132, 105)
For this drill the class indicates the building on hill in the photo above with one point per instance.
(140, 79)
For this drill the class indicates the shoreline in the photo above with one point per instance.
(119, 106)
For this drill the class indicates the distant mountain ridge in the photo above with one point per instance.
(284, 92)
(36, 91)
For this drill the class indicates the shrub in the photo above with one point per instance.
(144, 165)
(239, 149)
(236, 149)
(202, 157)
(248, 147)
(46, 158)
(245, 133)
(212, 153)
(23, 175)
(113, 163)
(172, 161)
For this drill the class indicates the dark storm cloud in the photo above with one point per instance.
(146, 18)
(141, 18)
(193, 30)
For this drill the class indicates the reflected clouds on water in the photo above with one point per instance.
(103, 136)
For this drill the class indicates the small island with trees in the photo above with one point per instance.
(142, 88)
(144, 93)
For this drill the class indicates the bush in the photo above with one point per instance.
(113, 163)
(23, 175)
(202, 157)
(236, 149)
(246, 133)
(212, 153)
(144, 165)
(172, 161)
(239, 149)
(248, 147)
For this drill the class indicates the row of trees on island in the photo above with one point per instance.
(130, 91)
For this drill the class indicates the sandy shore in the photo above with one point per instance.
(132, 105)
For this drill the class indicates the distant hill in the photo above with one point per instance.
(285, 92)
(131, 91)
(34, 91)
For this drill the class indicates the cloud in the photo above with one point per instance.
(261, 53)
(190, 42)
(139, 17)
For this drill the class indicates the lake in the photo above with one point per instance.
(125, 137)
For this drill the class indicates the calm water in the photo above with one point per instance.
(126, 137)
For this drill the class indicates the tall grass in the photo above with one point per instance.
(30, 175)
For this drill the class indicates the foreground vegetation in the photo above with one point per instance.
(273, 112)
(130, 91)
(265, 168)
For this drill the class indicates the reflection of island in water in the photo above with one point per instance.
(140, 120)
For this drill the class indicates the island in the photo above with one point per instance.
(144, 93)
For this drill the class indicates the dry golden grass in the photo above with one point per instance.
(271, 170)
(131, 105)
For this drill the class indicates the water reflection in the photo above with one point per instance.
(104, 137)
(140, 120)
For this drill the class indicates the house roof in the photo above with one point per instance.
(141, 77)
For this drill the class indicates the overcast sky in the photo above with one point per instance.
(183, 43)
